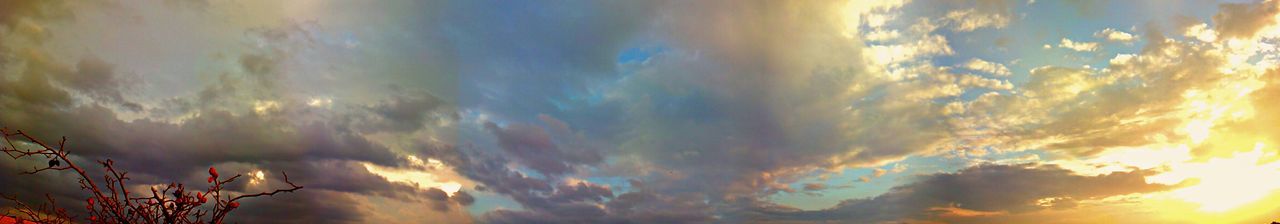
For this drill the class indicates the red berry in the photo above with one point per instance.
(90, 201)
(213, 172)
(234, 204)
(201, 197)
(210, 179)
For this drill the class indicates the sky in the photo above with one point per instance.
(861, 111)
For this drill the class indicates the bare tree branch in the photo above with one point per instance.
(115, 204)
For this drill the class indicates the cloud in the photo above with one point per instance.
(1115, 35)
(16, 11)
(683, 114)
(310, 206)
(730, 103)
(213, 126)
(1243, 20)
(781, 109)
(1078, 46)
(1087, 111)
(993, 68)
(157, 152)
(407, 111)
(879, 172)
(632, 207)
(815, 186)
(550, 153)
(1201, 32)
(91, 76)
(967, 20)
(984, 190)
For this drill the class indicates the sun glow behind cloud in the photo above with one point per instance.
(1223, 184)
(1220, 185)
(422, 177)
(1216, 190)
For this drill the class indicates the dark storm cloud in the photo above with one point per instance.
(306, 206)
(408, 111)
(550, 153)
(581, 192)
(32, 188)
(631, 207)
(544, 201)
(751, 96)
(165, 151)
(321, 155)
(989, 187)
(342, 176)
(29, 95)
(754, 101)
(213, 136)
(90, 76)
(320, 149)
(441, 201)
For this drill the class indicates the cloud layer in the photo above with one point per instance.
(644, 112)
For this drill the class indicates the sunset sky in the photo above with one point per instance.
(862, 111)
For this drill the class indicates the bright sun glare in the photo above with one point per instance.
(1223, 184)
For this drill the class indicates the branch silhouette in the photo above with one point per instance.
(112, 202)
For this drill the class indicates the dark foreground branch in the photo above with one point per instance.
(112, 202)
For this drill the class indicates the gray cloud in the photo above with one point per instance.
(815, 186)
(990, 188)
(1243, 20)
(308, 206)
(548, 153)
(407, 111)
(217, 126)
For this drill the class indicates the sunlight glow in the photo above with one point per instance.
(256, 177)
(1125, 159)
(859, 12)
(262, 107)
(415, 177)
(1198, 130)
(320, 102)
(1224, 183)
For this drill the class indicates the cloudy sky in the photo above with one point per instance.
(862, 111)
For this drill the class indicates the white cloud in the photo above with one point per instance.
(881, 35)
(986, 66)
(1115, 35)
(1201, 32)
(1078, 46)
(929, 46)
(867, 12)
(970, 20)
